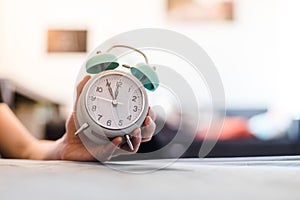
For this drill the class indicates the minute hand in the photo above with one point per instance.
(117, 91)
(108, 100)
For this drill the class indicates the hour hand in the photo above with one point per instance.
(109, 89)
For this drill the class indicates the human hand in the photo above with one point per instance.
(70, 147)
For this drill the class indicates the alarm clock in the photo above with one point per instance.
(113, 102)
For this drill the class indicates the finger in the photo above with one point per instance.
(70, 124)
(81, 84)
(72, 121)
(80, 87)
(110, 148)
(148, 130)
(151, 114)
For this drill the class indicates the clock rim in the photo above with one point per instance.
(129, 76)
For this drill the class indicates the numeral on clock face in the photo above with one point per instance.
(120, 122)
(93, 98)
(108, 123)
(134, 98)
(99, 89)
(119, 84)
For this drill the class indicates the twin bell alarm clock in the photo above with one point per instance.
(114, 102)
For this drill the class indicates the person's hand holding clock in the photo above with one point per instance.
(70, 146)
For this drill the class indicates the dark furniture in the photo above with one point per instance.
(231, 148)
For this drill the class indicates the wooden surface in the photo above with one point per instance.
(242, 178)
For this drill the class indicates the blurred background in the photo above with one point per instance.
(253, 43)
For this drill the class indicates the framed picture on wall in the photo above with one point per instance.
(200, 10)
(66, 41)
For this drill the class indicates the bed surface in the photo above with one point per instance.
(210, 178)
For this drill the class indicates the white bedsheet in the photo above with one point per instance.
(228, 178)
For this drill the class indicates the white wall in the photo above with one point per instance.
(247, 52)
(23, 38)
(288, 73)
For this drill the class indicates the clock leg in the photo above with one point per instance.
(82, 128)
(129, 142)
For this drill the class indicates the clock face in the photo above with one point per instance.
(115, 100)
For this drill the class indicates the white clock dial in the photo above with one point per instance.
(115, 100)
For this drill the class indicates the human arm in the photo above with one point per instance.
(17, 142)
(15, 139)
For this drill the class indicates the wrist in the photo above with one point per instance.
(44, 150)
(54, 150)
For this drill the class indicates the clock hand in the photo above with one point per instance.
(109, 89)
(117, 91)
(109, 100)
